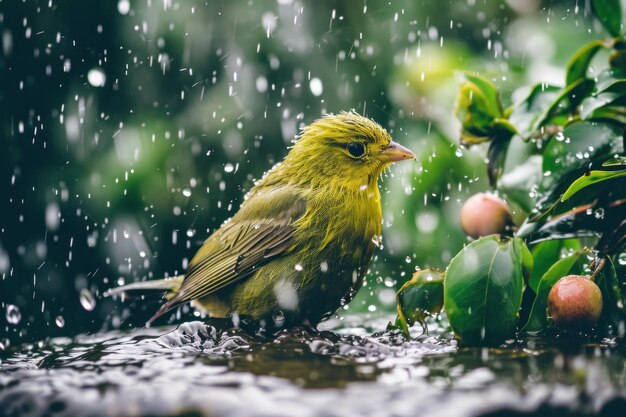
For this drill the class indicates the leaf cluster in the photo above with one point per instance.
(571, 191)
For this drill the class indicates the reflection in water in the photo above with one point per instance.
(340, 371)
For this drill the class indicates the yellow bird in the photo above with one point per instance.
(300, 244)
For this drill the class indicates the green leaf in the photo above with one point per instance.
(489, 90)
(602, 216)
(609, 99)
(609, 113)
(538, 319)
(473, 112)
(575, 93)
(617, 86)
(609, 13)
(571, 152)
(527, 115)
(606, 79)
(613, 309)
(518, 183)
(578, 64)
(613, 234)
(545, 254)
(496, 155)
(479, 110)
(528, 262)
(471, 138)
(617, 59)
(483, 290)
(614, 162)
(503, 131)
(591, 178)
(420, 297)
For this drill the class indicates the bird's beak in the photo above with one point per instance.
(395, 152)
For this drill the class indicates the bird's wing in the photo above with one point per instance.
(262, 229)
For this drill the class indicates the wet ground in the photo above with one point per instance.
(344, 370)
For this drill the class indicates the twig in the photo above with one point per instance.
(598, 263)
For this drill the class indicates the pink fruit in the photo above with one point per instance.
(484, 214)
(575, 301)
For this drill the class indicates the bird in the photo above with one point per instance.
(299, 246)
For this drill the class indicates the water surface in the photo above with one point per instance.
(346, 369)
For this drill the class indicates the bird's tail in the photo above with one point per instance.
(171, 285)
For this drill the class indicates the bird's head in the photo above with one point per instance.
(346, 149)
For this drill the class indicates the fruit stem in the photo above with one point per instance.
(598, 263)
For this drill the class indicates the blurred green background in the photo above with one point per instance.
(130, 130)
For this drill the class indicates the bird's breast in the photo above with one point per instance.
(349, 222)
(342, 232)
(341, 241)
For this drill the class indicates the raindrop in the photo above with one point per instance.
(599, 213)
(316, 87)
(123, 6)
(269, 23)
(5, 262)
(261, 84)
(187, 192)
(13, 314)
(387, 296)
(298, 267)
(286, 295)
(96, 77)
(427, 222)
(389, 282)
(53, 216)
(87, 299)
(59, 321)
(7, 42)
(229, 167)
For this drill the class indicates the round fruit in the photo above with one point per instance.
(484, 214)
(575, 301)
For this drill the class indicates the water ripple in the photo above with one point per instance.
(343, 370)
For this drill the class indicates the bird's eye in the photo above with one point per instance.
(356, 149)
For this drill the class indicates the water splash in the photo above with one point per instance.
(204, 368)
(13, 314)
